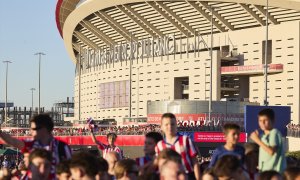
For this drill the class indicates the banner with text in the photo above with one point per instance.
(200, 119)
(205, 137)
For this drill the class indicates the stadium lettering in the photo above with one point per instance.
(135, 50)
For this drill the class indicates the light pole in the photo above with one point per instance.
(211, 63)
(32, 89)
(6, 79)
(138, 91)
(266, 55)
(205, 64)
(40, 56)
(211, 59)
(130, 75)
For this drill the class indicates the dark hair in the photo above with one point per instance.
(169, 154)
(43, 121)
(251, 157)
(125, 165)
(41, 153)
(269, 113)
(209, 171)
(168, 115)
(156, 136)
(103, 165)
(231, 126)
(113, 135)
(204, 167)
(226, 165)
(63, 167)
(291, 173)
(88, 162)
(267, 175)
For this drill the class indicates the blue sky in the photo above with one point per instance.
(28, 27)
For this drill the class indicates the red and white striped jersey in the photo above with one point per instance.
(183, 146)
(141, 161)
(107, 148)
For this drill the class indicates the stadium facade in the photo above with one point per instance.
(133, 57)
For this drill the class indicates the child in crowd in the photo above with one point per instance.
(271, 150)
(152, 169)
(112, 158)
(63, 170)
(166, 155)
(208, 174)
(172, 170)
(151, 139)
(84, 165)
(181, 144)
(111, 139)
(270, 175)
(39, 165)
(103, 170)
(229, 167)
(292, 173)
(251, 159)
(126, 169)
(231, 147)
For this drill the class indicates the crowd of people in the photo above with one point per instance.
(84, 131)
(293, 130)
(166, 157)
(121, 130)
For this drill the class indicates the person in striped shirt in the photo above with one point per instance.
(151, 139)
(181, 144)
(106, 148)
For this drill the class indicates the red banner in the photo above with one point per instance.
(214, 137)
(258, 67)
(124, 140)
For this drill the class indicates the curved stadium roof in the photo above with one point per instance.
(94, 24)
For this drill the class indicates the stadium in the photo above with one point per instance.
(136, 59)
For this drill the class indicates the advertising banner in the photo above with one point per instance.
(189, 134)
(124, 140)
(200, 119)
(216, 137)
(282, 117)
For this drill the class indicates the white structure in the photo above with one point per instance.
(128, 53)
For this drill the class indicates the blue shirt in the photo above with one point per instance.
(239, 152)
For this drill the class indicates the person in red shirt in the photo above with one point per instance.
(181, 144)
(151, 139)
(41, 127)
(106, 148)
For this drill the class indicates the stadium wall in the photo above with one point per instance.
(153, 79)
